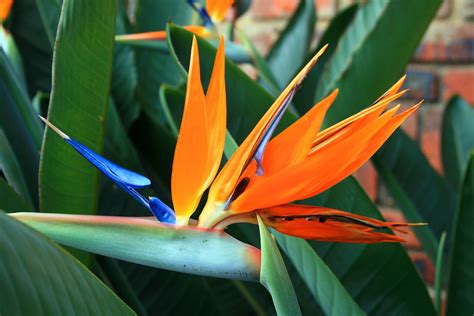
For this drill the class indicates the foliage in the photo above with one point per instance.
(126, 101)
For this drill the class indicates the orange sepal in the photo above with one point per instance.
(160, 35)
(323, 168)
(325, 224)
(201, 137)
(293, 144)
(217, 9)
(5, 6)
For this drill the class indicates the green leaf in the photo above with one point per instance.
(457, 139)
(461, 281)
(321, 281)
(381, 277)
(274, 275)
(423, 187)
(438, 284)
(373, 52)
(10, 167)
(10, 201)
(331, 36)
(20, 124)
(155, 68)
(148, 242)
(38, 17)
(79, 100)
(289, 53)
(124, 74)
(246, 100)
(409, 210)
(38, 277)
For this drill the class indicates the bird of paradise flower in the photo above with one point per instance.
(265, 175)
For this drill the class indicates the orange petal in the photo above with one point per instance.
(293, 144)
(227, 180)
(322, 169)
(5, 6)
(217, 9)
(325, 224)
(201, 138)
(217, 110)
(367, 114)
(160, 35)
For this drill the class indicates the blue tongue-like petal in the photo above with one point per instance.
(125, 179)
(111, 170)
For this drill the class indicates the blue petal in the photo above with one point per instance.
(161, 211)
(267, 135)
(197, 6)
(111, 170)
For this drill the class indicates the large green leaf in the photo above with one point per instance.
(33, 25)
(148, 242)
(461, 283)
(420, 185)
(289, 53)
(39, 278)
(332, 34)
(373, 52)
(457, 138)
(10, 201)
(82, 70)
(274, 275)
(321, 281)
(403, 201)
(155, 68)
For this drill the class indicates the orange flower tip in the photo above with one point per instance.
(54, 128)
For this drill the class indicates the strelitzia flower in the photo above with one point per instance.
(212, 13)
(265, 175)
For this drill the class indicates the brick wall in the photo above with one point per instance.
(443, 65)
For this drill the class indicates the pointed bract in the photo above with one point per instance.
(160, 35)
(201, 137)
(325, 224)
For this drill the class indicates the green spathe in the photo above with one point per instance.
(148, 242)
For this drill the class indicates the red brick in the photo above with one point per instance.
(454, 47)
(272, 9)
(459, 81)
(424, 265)
(431, 134)
(367, 178)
